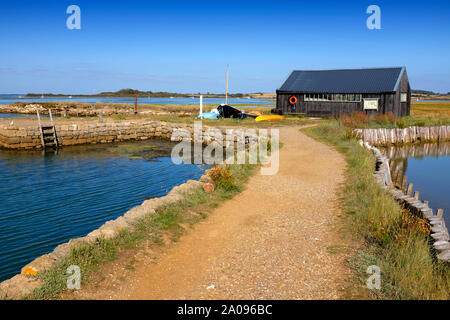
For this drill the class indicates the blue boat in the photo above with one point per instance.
(208, 115)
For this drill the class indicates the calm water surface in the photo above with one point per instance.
(17, 115)
(427, 166)
(8, 99)
(48, 199)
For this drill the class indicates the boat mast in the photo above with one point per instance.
(226, 89)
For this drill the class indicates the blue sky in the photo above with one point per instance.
(184, 46)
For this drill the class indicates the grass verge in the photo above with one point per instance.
(396, 245)
(361, 120)
(167, 221)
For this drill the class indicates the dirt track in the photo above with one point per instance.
(279, 239)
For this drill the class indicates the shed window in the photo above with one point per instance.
(332, 97)
(404, 97)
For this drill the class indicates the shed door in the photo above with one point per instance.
(403, 104)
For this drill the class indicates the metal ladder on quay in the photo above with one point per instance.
(48, 133)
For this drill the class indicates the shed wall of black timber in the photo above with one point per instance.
(388, 102)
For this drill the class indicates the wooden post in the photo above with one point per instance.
(51, 117)
(40, 129)
(405, 179)
(55, 139)
(409, 190)
(100, 116)
(135, 103)
(416, 195)
(201, 107)
(440, 213)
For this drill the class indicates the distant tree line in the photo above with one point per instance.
(422, 92)
(425, 92)
(132, 92)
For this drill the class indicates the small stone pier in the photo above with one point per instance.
(94, 132)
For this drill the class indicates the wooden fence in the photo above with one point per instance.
(384, 137)
(404, 195)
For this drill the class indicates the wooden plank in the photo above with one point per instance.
(40, 129)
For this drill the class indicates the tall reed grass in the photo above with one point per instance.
(398, 244)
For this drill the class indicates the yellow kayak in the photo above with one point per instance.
(253, 114)
(270, 118)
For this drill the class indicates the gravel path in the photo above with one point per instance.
(278, 239)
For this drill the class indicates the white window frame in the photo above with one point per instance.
(405, 95)
(332, 97)
(367, 107)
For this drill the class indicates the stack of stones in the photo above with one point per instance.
(79, 110)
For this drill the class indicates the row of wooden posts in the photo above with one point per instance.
(411, 201)
(416, 196)
(384, 137)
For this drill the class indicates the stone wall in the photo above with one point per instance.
(384, 137)
(84, 132)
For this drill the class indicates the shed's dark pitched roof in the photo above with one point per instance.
(344, 81)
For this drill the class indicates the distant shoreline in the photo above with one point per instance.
(140, 94)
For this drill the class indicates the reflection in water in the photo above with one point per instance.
(427, 166)
(418, 150)
(47, 199)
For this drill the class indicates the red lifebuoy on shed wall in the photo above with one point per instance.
(293, 100)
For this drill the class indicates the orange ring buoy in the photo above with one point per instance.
(293, 100)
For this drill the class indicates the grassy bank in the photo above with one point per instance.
(430, 108)
(391, 239)
(168, 222)
(362, 121)
(142, 107)
(245, 123)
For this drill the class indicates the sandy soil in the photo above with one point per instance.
(281, 238)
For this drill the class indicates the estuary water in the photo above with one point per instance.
(17, 115)
(8, 99)
(427, 166)
(48, 199)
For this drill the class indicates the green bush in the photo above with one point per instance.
(222, 177)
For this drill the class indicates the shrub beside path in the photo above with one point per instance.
(281, 238)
